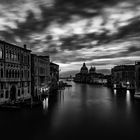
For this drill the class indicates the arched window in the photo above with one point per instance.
(6, 54)
(1, 95)
(18, 74)
(1, 73)
(9, 73)
(28, 89)
(22, 73)
(1, 53)
(10, 54)
(6, 73)
(19, 92)
(6, 94)
(22, 91)
(28, 74)
(13, 74)
(18, 56)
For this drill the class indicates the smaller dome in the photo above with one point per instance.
(92, 70)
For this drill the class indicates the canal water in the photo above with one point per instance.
(82, 111)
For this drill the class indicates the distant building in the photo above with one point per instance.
(137, 77)
(124, 76)
(91, 76)
(40, 69)
(82, 76)
(15, 72)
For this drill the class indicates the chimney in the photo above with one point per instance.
(25, 47)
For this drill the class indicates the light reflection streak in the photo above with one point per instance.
(45, 104)
(128, 97)
(115, 92)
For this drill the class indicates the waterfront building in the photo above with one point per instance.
(124, 76)
(40, 69)
(91, 76)
(54, 73)
(15, 72)
(137, 79)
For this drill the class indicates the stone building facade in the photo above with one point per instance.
(15, 72)
(40, 69)
(54, 73)
(137, 77)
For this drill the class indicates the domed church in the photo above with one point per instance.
(85, 76)
(84, 69)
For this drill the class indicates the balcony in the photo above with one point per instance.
(10, 80)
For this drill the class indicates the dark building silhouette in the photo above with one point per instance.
(137, 79)
(89, 76)
(82, 76)
(124, 76)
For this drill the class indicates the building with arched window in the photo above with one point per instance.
(15, 64)
(24, 75)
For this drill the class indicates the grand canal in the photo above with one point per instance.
(81, 111)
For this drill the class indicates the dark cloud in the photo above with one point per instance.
(132, 49)
(130, 30)
(88, 3)
(28, 27)
(63, 12)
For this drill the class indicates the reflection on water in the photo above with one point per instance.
(81, 111)
(128, 97)
(115, 91)
(45, 104)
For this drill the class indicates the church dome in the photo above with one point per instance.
(92, 70)
(84, 69)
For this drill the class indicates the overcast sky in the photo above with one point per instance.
(103, 33)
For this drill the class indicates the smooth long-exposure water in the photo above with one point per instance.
(81, 111)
